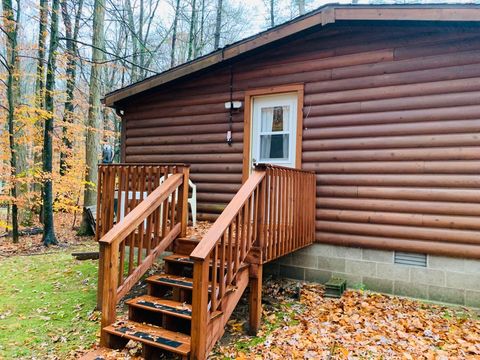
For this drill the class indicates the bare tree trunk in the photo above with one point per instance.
(192, 35)
(11, 31)
(174, 35)
(272, 13)
(71, 72)
(199, 43)
(48, 225)
(93, 122)
(135, 42)
(218, 24)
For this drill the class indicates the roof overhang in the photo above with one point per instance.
(325, 15)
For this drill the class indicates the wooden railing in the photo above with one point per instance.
(121, 187)
(154, 215)
(272, 215)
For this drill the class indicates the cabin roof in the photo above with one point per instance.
(327, 14)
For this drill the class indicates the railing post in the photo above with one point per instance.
(260, 235)
(255, 297)
(110, 282)
(100, 277)
(182, 213)
(200, 309)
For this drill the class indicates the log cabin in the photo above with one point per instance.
(344, 143)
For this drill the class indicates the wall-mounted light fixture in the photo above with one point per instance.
(233, 105)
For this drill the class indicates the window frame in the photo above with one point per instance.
(248, 115)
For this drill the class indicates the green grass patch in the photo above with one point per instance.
(45, 305)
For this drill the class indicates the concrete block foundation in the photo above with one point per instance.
(450, 280)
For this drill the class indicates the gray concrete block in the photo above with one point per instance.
(292, 272)
(333, 264)
(472, 298)
(353, 253)
(304, 260)
(463, 281)
(427, 276)
(378, 285)
(404, 288)
(472, 266)
(393, 272)
(447, 295)
(327, 250)
(380, 256)
(285, 260)
(446, 263)
(271, 269)
(353, 281)
(363, 268)
(319, 276)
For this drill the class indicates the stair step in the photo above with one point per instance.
(184, 259)
(165, 306)
(171, 280)
(178, 258)
(152, 335)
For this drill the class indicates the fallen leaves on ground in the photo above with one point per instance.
(360, 325)
(32, 244)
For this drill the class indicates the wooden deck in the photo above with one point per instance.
(186, 307)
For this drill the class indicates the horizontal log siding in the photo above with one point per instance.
(391, 127)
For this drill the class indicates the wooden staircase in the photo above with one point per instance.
(186, 307)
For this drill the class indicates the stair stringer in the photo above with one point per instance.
(216, 326)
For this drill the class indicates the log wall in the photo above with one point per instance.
(391, 127)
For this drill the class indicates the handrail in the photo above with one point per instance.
(272, 215)
(209, 240)
(144, 233)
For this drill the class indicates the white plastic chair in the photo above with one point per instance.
(192, 200)
(122, 200)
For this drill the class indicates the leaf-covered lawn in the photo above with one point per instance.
(360, 325)
(46, 305)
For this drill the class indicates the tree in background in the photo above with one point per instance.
(93, 122)
(193, 28)
(10, 24)
(218, 24)
(174, 34)
(272, 13)
(71, 37)
(49, 237)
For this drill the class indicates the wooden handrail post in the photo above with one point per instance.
(109, 297)
(255, 298)
(101, 259)
(200, 309)
(182, 213)
(261, 213)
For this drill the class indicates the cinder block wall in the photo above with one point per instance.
(445, 279)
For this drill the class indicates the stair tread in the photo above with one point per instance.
(185, 259)
(166, 306)
(178, 258)
(152, 335)
(171, 280)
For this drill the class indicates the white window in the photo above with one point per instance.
(274, 129)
